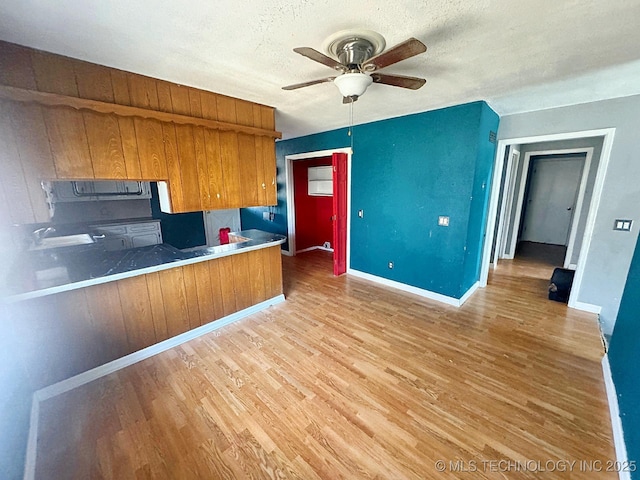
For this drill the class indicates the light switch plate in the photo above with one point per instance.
(265, 216)
(622, 225)
(361, 213)
(443, 221)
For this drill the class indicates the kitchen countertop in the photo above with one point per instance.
(41, 273)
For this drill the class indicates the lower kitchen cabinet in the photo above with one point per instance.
(130, 235)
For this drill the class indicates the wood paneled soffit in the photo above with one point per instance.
(56, 100)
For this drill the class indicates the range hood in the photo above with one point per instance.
(75, 191)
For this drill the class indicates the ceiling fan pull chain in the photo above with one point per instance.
(351, 124)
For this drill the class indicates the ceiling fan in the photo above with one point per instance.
(360, 55)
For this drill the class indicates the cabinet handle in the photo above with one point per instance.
(264, 186)
(218, 195)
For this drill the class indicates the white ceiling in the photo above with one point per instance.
(518, 55)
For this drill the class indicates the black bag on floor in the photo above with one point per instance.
(560, 284)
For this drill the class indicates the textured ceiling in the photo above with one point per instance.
(517, 55)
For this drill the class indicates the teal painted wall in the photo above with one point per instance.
(480, 196)
(407, 171)
(624, 358)
(182, 230)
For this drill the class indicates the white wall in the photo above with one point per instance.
(610, 252)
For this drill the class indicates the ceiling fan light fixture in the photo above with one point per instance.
(353, 84)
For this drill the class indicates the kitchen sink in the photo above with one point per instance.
(63, 241)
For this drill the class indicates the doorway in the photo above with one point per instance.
(551, 201)
(313, 199)
(547, 181)
(340, 213)
(587, 216)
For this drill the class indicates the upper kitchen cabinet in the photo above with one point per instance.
(62, 118)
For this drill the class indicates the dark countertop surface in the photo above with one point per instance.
(45, 272)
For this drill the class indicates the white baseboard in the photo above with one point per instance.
(616, 422)
(287, 253)
(118, 364)
(32, 440)
(319, 247)
(468, 293)
(586, 307)
(438, 297)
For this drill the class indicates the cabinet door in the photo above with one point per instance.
(82, 190)
(188, 168)
(229, 158)
(116, 242)
(267, 119)
(145, 239)
(135, 188)
(269, 159)
(105, 187)
(153, 226)
(248, 170)
(217, 189)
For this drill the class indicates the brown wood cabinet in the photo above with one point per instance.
(67, 333)
(67, 119)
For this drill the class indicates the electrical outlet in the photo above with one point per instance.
(622, 225)
(443, 221)
(265, 216)
(391, 265)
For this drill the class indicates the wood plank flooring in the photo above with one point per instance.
(347, 379)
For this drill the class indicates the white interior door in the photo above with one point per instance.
(551, 200)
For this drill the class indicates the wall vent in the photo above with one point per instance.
(492, 136)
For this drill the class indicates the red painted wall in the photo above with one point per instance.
(313, 214)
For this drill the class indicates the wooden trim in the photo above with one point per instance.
(56, 100)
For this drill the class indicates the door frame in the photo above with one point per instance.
(291, 208)
(512, 243)
(607, 144)
(507, 202)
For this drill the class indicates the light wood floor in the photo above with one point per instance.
(350, 380)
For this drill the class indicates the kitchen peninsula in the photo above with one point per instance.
(110, 304)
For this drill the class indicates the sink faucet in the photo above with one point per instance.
(40, 233)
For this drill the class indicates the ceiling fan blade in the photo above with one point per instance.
(320, 58)
(406, 49)
(413, 83)
(307, 84)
